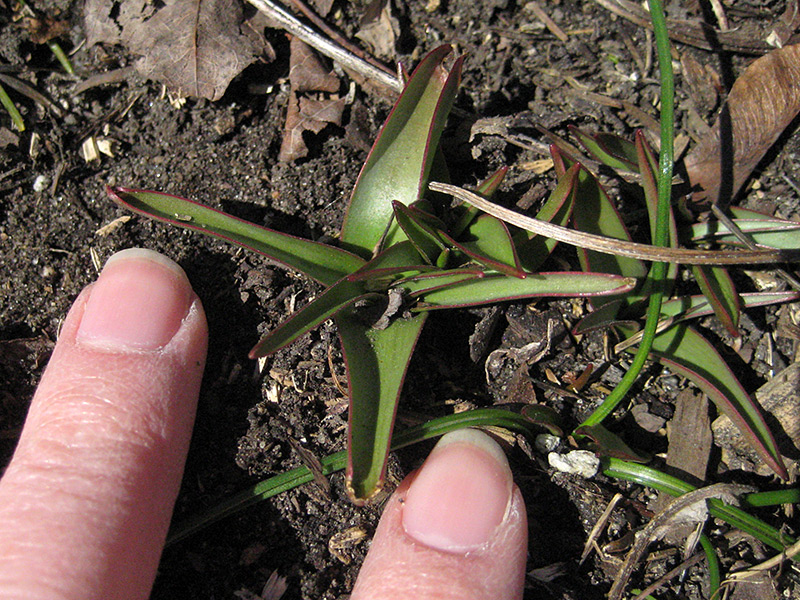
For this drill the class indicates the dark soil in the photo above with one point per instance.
(52, 204)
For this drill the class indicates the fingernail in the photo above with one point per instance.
(137, 303)
(461, 495)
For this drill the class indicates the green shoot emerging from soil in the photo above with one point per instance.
(402, 255)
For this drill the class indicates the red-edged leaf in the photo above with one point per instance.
(610, 444)
(688, 353)
(609, 149)
(326, 264)
(717, 286)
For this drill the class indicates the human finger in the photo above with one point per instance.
(86, 501)
(456, 529)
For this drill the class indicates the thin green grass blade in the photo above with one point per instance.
(11, 108)
(526, 422)
(326, 264)
(647, 476)
(658, 271)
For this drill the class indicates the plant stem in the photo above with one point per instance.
(658, 271)
(289, 480)
(643, 475)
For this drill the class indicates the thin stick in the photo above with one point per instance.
(330, 49)
(609, 245)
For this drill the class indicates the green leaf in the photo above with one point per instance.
(326, 264)
(681, 308)
(763, 230)
(487, 189)
(422, 229)
(593, 212)
(376, 366)
(607, 443)
(606, 315)
(487, 241)
(609, 149)
(424, 283)
(499, 288)
(717, 286)
(688, 353)
(332, 300)
(398, 165)
(534, 249)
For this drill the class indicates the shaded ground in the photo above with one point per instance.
(52, 204)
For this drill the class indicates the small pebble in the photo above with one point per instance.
(40, 183)
(576, 462)
(546, 442)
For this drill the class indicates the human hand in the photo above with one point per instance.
(86, 502)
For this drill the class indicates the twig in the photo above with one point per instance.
(657, 525)
(608, 245)
(719, 13)
(773, 562)
(548, 22)
(598, 527)
(327, 47)
(693, 34)
(670, 575)
(334, 35)
(26, 90)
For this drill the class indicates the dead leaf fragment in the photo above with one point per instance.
(312, 104)
(306, 71)
(762, 103)
(307, 114)
(379, 29)
(195, 47)
(43, 29)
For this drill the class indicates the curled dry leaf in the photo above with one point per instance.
(762, 103)
(311, 105)
(379, 29)
(194, 47)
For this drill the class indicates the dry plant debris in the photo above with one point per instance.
(762, 103)
(194, 47)
(313, 104)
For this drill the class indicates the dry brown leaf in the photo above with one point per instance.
(307, 114)
(307, 72)
(195, 47)
(762, 103)
(311, 107)
(42, 30)
(379, 29)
